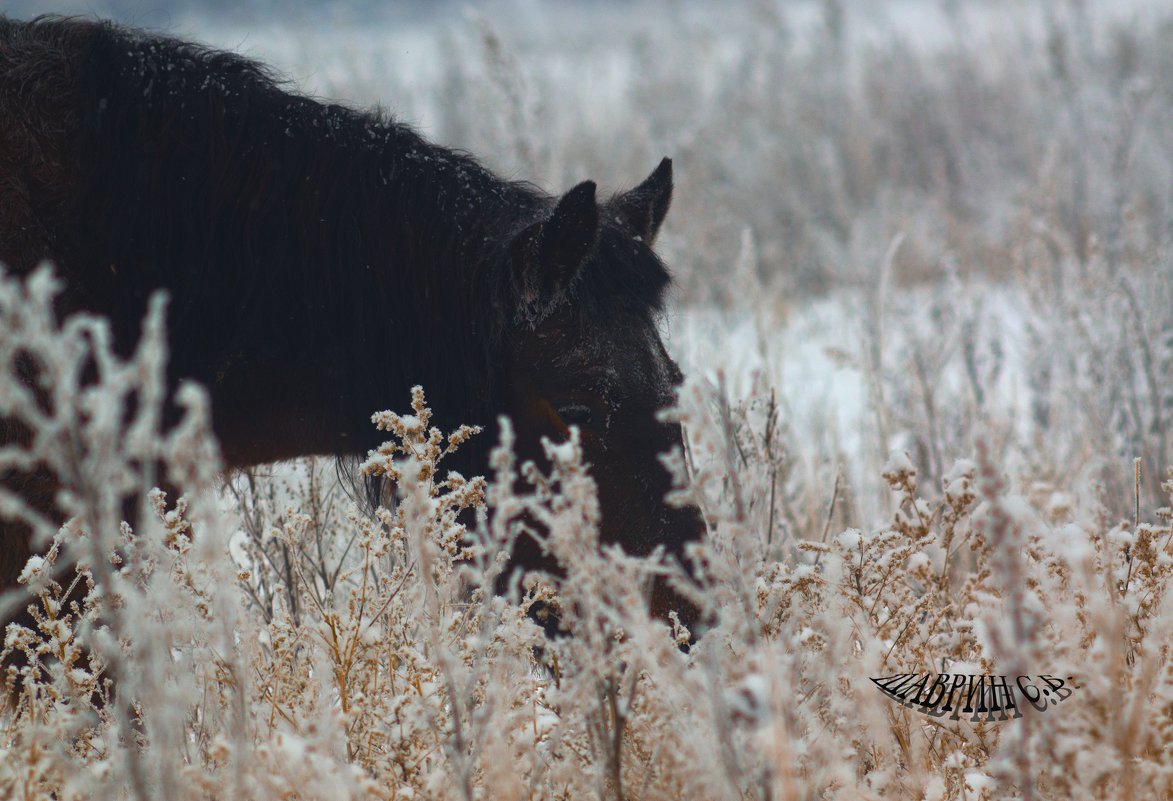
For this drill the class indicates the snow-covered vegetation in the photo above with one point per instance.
(925, 265)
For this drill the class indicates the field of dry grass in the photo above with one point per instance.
(925, 305)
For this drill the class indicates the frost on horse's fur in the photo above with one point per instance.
(306, 650)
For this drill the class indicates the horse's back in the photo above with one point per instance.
(39, 63)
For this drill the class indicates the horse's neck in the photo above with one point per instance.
(410, 307)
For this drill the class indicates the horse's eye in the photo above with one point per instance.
(577, 414)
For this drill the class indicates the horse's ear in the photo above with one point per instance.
(549, 254)
(645, 207)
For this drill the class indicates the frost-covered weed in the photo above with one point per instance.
(314, 651)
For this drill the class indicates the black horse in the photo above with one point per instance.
(322, 260)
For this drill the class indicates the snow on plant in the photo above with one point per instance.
(301, 648)
(124, 639)
(976, 581)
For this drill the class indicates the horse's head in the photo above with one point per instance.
(584, 350)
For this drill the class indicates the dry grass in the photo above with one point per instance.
(314, 652)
